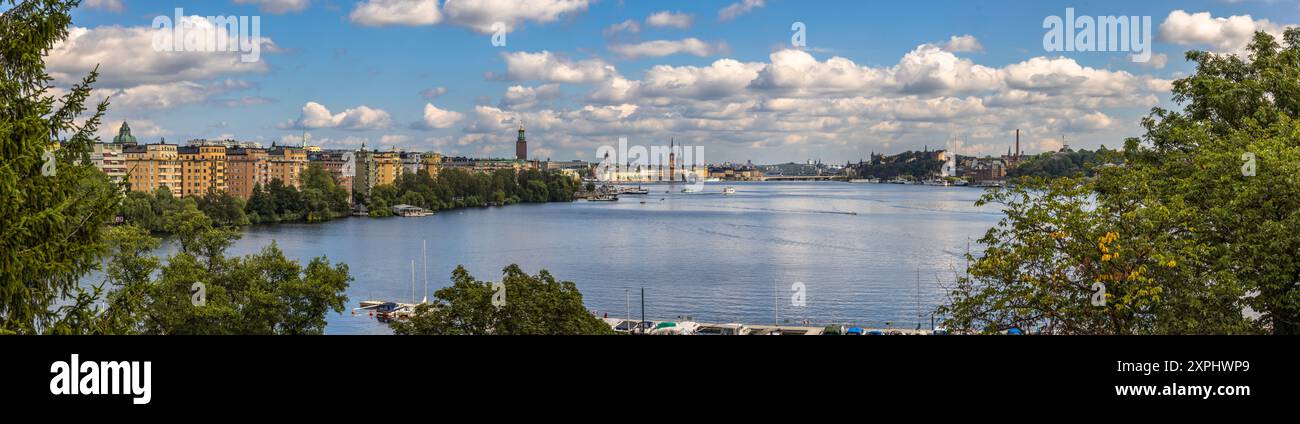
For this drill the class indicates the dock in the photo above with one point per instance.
(668, 327)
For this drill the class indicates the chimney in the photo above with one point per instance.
(1017, 143)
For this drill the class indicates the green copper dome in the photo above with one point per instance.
(124, 135)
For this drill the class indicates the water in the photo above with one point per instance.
(857, 248)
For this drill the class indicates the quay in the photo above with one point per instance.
(667, 327)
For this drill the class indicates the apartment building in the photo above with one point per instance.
(151, 166)
(245, 170)
(203, 169)
(375, 168)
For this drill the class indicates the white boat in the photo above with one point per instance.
(690, 190)
(729, 190)
(634, 191)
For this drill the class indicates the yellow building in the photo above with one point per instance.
(203, 169)
(287, 164)
(152, 166)
(432, 164)
(375, 168)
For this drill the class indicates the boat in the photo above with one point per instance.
(634, 191)
(603, 198)
(690, 190)
(410, 211)
(864, 180)
(728, 190)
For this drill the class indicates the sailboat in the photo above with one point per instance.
(424, 257)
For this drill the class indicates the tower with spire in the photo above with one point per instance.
(672, 159)
(521, 144)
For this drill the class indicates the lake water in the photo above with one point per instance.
(857, 249)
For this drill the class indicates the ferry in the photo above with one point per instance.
(634, 191)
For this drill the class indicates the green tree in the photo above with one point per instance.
(1196, 224)
(224, 209)
(50, 234)
(536, 304)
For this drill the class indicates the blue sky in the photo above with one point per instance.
(873, 76)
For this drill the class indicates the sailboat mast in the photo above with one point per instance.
(412, 281)
(424, 256)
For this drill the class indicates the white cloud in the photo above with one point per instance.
(628, 26)
(520, 97)
(393, 139)
(480, 15)
(396, 13)
(433, 93)
(278, 6)
(1091, 121)
(126, 56)
(170, 94)
(109, 5)
(659, 48)
(1225, 35)
(1157, 61)
(549, 67)
(736, 9)
(315, 115)
(670, 19)
(963, 43)
(724, 78)
(435, 118)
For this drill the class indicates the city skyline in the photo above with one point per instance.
(724, 75)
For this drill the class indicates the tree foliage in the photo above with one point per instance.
(1195, 228)
(536, 304)
(53, 225)
(320, 199)
(1061, 164)
(454, 188)
(916, 165)
(49, 225)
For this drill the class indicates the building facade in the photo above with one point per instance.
(245, 170)
(375, 168)
(286, 164)
(110, 158)
(203, 169)
(340, 164)
(153, 166)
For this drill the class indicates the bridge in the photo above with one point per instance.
(802, 177)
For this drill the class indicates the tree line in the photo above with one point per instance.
(916, 165)
(1062, 164)
(455, 188)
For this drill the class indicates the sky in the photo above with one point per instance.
(763, 80)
